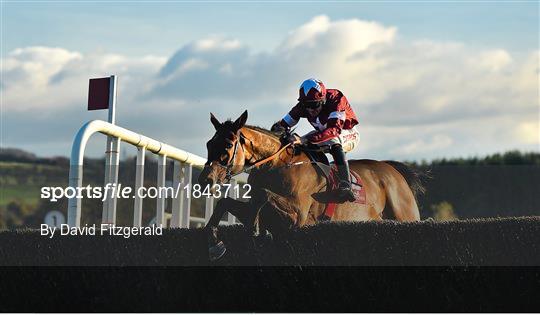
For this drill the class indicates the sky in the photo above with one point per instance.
(426, 79)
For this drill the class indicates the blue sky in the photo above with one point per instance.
(160, 28)
(426, 79)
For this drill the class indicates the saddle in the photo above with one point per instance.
(330, 173)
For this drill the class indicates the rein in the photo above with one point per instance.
(258, 163)
(271, 157)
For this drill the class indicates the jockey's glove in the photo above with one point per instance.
(278, 127)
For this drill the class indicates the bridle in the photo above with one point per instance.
(228, 168)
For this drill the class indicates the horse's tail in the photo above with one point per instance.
(415, 178)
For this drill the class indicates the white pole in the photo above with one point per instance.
(115, 155)
(186, 199)
(75, 180)
(112, 99)
(139, 182)
(111, 157)
(177, 198)
(160, 208)
(108, 160)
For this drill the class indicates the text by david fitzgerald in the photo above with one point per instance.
(104, 229)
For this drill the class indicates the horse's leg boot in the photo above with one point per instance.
(216, 247)
(217, 251)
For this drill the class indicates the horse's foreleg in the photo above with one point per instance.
(279, 215)
(246, 212)
(235, 207)
(216, 248)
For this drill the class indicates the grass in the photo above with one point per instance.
(28, 166)
(23, 181)
(29, 194)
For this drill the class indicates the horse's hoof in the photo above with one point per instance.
(217, 251)
(267, 236)
(264, 238)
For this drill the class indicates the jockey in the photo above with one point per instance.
(333, 118)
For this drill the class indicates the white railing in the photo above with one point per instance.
(182, 175)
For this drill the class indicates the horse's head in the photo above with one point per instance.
(226, 155)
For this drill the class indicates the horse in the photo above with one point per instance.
(283, 180)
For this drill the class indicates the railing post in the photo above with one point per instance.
(186, 198)
(108, 161)
(139, 182)
(177, 198)
(160, 208)
(111, 177)
(75, 180)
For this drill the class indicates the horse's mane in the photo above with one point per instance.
(273, 134)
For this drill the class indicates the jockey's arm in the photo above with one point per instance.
(333, 130)
(290, 120)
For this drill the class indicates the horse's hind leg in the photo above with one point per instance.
(401, 199)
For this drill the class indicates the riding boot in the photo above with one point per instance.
(344, 187)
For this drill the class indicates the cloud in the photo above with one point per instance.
(36, 65)
(424, 81)
(227, 70)
(343, 38)
(435, 142)
(45, 78)
(495, 60)
(415, 98)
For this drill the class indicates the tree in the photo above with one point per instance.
(443, 212)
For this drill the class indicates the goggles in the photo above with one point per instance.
(312, 104)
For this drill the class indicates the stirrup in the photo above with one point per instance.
(345, 191)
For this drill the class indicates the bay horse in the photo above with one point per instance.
(283, 182)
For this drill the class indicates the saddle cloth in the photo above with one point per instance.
(329, 171)
(332, 184)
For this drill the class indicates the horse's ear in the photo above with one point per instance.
(214, 121)
(241, 121)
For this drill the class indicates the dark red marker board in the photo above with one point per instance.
(98, 93)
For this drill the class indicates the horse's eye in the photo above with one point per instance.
(229, 145)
